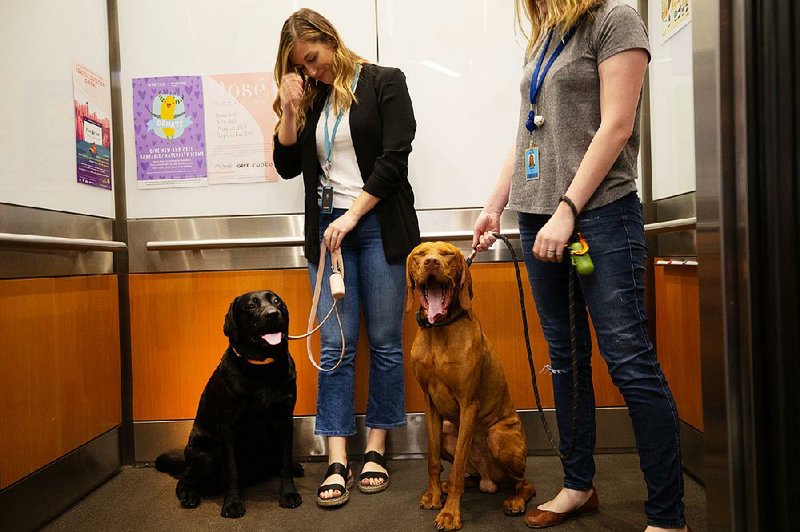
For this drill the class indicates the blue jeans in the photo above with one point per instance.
(377, 288)
(614, 295)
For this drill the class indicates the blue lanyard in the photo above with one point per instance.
(536, 80)
(329, 138)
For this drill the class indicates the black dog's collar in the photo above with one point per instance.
(425, 324)
(251, 361)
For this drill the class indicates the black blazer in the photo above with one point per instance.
(382, 124)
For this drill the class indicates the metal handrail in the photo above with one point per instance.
(286, 241)
(224, 243)
(679, 224)
(459, 235)
(290, 241)
(57, 242)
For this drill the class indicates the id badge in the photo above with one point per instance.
(532, 163)
(327, 199)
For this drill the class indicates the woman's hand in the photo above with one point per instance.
(338, 229)
(291, 92)
(554, 235)
(486, 224)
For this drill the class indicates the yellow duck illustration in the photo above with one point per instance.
(168, 106)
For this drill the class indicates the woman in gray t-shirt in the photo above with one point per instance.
(573, 169)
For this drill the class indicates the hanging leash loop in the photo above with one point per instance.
(336, 282)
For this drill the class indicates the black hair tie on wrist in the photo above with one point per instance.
(566, 199)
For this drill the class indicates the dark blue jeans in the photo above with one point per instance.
(378, 289)
(614, 295)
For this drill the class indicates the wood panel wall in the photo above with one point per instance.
(59, 368)
(678, 338)
(177, 340)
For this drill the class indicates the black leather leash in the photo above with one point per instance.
(573, 343)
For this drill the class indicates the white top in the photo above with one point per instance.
(345, 175)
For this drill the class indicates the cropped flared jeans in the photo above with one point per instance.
(378, 289)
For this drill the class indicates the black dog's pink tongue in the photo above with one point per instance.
(273, 338)
(435, 302)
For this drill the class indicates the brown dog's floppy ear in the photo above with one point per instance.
(229, 328)
(409, 282)
(465, 286)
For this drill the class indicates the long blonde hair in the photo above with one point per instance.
(309, 26)
(560, 15)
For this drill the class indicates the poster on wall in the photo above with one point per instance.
(675, 14)
(239, 127)
(169, 129)
(92, 99)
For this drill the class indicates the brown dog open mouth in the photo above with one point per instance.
(434, 296)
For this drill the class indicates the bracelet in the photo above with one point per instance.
(566, 199)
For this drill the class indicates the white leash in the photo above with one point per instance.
(337, 291)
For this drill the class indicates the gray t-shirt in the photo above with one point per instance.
(569, 102)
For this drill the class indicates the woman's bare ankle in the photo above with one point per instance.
(566, 500)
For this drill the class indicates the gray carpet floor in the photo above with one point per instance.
(140, 498)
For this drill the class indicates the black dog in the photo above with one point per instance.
(242, 433)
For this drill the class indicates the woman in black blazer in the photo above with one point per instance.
(347, 127)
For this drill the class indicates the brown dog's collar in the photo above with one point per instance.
(251, 361)
(425, 324)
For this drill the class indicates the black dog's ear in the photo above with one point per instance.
(229, 328)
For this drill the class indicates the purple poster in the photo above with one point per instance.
(170, 132)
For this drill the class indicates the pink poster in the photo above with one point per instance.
(239, 127)
(92, 98)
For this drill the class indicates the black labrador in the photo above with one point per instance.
(242, 433)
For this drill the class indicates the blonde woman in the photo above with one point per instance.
(581, 86)
(347, 126)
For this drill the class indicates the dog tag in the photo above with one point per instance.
(532, 163)
(327, 199)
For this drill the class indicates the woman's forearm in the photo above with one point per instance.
(364, 203)
(287, 131)
(498, 198)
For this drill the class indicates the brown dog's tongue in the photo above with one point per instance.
(435, 309)
(272, 338)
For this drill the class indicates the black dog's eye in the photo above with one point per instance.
(276, 300)
(252, 306)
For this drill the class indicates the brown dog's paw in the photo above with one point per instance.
(514, 506)
(233, 509)
(431, 500)
(447, 520)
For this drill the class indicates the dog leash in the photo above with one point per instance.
(584, 269)
(336, 282)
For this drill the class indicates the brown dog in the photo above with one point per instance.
(464, 385)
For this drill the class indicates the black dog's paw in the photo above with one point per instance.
(187, 495)
(291, 499)
(233, 508)
(298, 470)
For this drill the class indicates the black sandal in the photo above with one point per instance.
(373, 456)
(336, 468)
